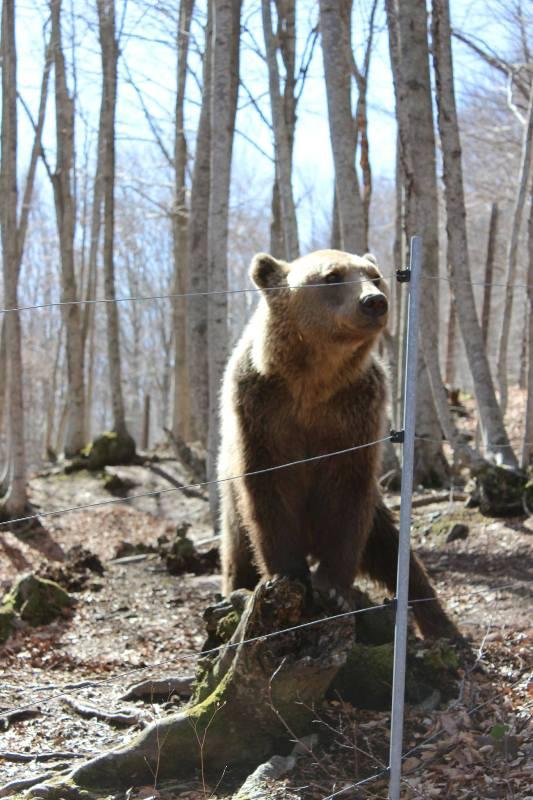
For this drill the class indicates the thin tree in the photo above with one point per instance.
(13, 488)
(361, 75)
(489, 271)
(283, 114)
(335, 27)
(181, 408)
(89, 310)
(197, 281)
(225, 84)
(109, 56)
(407, 23)
(62, 182)
(491, 418)
(512, 256)
(527, 442)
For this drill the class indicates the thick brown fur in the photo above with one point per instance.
(304, 381)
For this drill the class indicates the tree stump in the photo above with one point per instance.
(252, 698)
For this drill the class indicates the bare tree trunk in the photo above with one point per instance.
(109, 55)
(146, 422)
(181, 409)
(518, 212)
(89, 310)
(65, 214)
(3, 372)
(494, 434)
(361, 117)
(489, 271)
(52, 399)
(335, 26)
(527, 443)
(277, 245)
(450, 344)
(283, 135)
(197, 282)
(335, 236)
(15, 500)
(407, 21)
(225, 77)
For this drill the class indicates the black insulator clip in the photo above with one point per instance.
(397, 437)
(403, 275)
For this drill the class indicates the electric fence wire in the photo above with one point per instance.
(199, 485)
(175, 295)
(249, 290)
(64, 690)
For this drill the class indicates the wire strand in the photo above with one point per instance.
(174, 296)
(155, 493)
(230, 645)
(252, 290)
(202, 654)
(477, 283)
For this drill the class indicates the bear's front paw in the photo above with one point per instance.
(329, 597)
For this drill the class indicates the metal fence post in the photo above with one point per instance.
(402, 580)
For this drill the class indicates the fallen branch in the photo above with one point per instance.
(9, 717)
(429, 499)
(24, 783)
(25, 758)
(162, 687)
(120, 718)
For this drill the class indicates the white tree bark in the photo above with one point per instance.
(335, 26)
(527, 443)
(3, 372)
(407, 21)
(518, 211)
(282, 139)
(181, 409)
(109, 55)
(225, 77)
(15, 501)
(75, 438)
(494, 434)
(196, 334)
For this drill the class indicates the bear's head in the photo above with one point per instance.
(330, 294)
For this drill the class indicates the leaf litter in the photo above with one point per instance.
(136, 621)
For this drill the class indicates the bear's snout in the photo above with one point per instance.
(374, 305)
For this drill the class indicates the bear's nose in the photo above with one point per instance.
(374, 305)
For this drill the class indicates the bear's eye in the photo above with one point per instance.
(376, 281)
(334, 277)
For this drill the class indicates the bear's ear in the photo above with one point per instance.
(371, 257)
(267, 272)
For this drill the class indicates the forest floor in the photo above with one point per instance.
(137, 621)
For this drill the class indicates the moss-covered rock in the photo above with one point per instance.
(501, 492)
(38, 601)
(108, 449)
(365, 680)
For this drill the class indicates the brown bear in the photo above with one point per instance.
(304, 381)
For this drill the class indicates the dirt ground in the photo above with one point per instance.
(137, 621)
